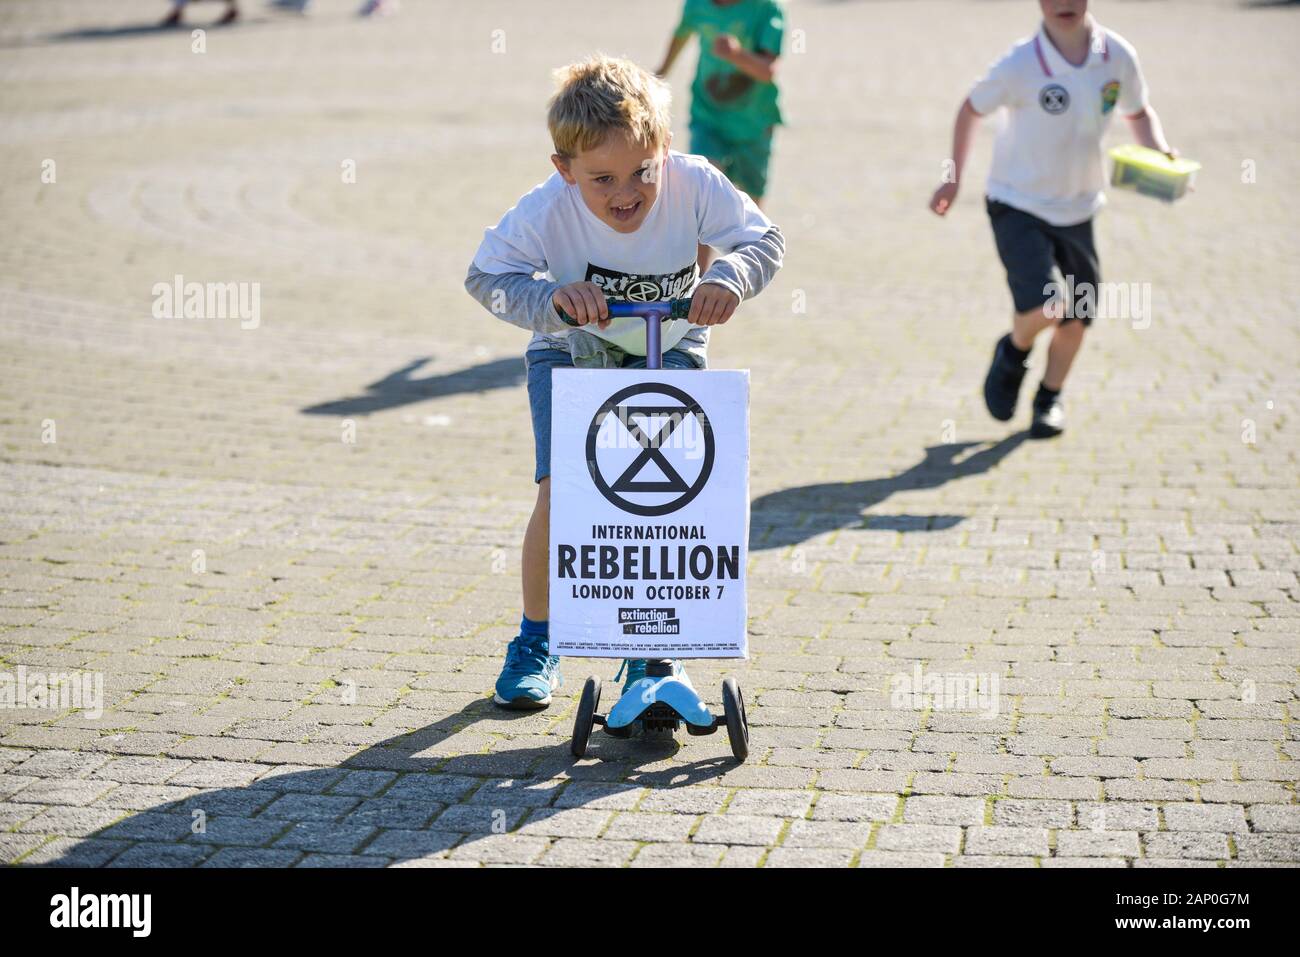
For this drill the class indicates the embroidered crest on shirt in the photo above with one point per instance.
(641, 287)
(1109, 96)
(1054, 98)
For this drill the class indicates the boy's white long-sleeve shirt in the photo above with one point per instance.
(551, 232)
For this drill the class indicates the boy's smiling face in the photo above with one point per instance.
(618, 180)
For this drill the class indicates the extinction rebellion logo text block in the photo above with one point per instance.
(649, 621)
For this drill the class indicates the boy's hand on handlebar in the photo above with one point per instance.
(584, 302)
(712, 305)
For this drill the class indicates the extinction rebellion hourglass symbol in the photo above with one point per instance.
(666, 472)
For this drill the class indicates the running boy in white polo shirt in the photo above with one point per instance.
(1060, 88)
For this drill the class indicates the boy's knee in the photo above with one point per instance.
(1071, 330)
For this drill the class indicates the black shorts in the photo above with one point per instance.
(1030, 247)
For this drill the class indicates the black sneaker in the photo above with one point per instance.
(1049, 417)
(1002, 384)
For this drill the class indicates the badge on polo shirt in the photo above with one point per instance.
(1054, 98)
(1109, 96)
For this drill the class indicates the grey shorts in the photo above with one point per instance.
(540, 362)
(1030, 247)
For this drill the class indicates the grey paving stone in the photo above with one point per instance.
(1006, 841)
(502, 849)
(1204, 817)
(894, 859)
(403, 844)
(163, 855)
(251, 857)
(918, 837)
(644, 827)
(737, 829)
(1268, 847)
(309, 807)
(151, 826)
(923, 809)
(1118, 816)
(827, 834)
(61, 821)
(1275, 817)
(1017, 812)
(325, 837)
(389, 813)
(1184, 845)
(580, 852)
(1097, 844)
(68, 791)
(850, 807)
(342, 860)
(243, 831)
(778, 802)
(678, 855)
(786, 856)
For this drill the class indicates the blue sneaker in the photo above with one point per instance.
(529, 675)
(635, 669)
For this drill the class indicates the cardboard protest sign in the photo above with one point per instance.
(649, 513)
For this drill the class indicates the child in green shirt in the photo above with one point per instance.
(734, 102)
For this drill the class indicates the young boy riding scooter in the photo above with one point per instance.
(619, 219)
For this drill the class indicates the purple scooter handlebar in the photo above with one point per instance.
(654, 313)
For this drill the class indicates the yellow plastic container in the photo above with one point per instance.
(1151, 172)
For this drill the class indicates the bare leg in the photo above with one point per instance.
(536, 555)
(1026, 326)
(1066, 341)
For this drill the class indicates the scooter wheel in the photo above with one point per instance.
(733, 709)
(583, 720)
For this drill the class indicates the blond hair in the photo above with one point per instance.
(600, 95)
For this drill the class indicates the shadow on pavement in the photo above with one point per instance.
(794, 515)
(124, 31)
(398, 388)
(399, 800)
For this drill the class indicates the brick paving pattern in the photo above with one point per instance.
(291, 551)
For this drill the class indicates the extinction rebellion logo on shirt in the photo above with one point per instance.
(641, 287)
(1054, 98)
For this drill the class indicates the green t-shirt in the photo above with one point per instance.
(730, 102)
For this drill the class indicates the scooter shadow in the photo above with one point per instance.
(404, 798)
(794, 515)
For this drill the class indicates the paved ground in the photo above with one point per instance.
(297, 633)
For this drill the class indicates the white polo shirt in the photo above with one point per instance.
(1047, 158)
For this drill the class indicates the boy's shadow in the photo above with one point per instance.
(409, 801)
(398, 388)
(794, 515)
